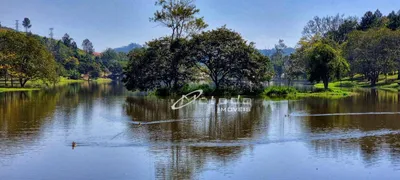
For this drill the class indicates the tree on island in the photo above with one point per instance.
(229, 59)
(180, 17)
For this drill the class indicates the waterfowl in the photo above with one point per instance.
(74, 144)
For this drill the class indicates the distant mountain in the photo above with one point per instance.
(128, 48)
(270, 52)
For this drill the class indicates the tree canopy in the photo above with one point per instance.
(28, 58)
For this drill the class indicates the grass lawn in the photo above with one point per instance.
(17, 89)
(390, 83)
(37, 85)
(291, 93)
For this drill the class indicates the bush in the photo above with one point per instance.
(74, 74)
(279, 91)
(207, 90)
(346, 84)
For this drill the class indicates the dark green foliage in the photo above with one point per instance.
(324, 62)
(229, 60)
(160, 65)
(87, 46)
(394, 20)
(25, 58)
(74, 74)
(371, 20)
(373, 52)
(27, 24)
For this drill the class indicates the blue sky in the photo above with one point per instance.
(115, 23)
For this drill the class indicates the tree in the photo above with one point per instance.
(179, 16)
(87, 46)
(141, 72)
(74, 45)
(278, 58)
(371, 20)
(71, 63)
(373, 52)
(160, 65)
(340, 35)
(107, 56)
(228, 59)
(321, 26)
(32, 61)
(394, 20)
(294, 67)
(67, 40)
(27, 24)
(323, 62)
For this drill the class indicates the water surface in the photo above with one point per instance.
(122, 136)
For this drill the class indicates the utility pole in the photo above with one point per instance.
(50, 42)
(16, 25)
(51, 33)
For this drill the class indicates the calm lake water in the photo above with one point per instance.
(198, 141)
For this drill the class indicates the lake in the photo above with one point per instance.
(122, 136)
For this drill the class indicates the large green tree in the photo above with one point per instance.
(323, 62)
(373, 52)
(160, 65)
(228, 59)
(31, 60)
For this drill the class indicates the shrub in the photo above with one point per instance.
(207, 90)
(279, 91)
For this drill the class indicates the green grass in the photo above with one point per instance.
(102, 80)
(17, 89)
(279, 91)
(37, 85)
(389, 83)
(331, 93)
(282, 92)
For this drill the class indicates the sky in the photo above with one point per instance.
(116, 23)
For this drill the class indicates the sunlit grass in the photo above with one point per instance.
(17, 89)
(386, 83)
(291, 93)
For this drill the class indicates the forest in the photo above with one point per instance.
(25, 56)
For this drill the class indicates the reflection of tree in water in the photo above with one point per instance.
(377, 139)
(191, 150)
(185, 162)
(24, 115)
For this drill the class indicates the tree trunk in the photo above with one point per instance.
(398, 74)
(5, 78)
(373, 80)
(22, 82)
(326, 83)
